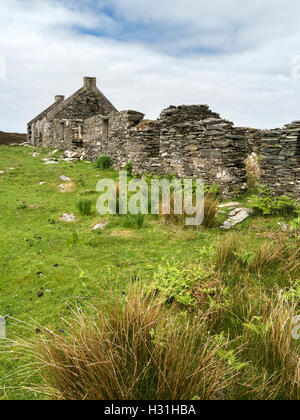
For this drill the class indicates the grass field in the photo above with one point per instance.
(49, 267)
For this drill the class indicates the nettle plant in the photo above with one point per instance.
(295, 224)
(174, 281)
(266, 203)
(213, 190)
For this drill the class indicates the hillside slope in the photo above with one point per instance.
(9, 138)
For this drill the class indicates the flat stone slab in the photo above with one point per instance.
(2, 172)
(65, 178)
(229, 205)
(50, 162)
(100, 226)
(235, 217)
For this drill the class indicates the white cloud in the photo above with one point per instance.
(249, 81)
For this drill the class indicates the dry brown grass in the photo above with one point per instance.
(210, 213)
(171, 218)
(226, 251)
(271, 345)
(210, 210)
(138, 351)
(283, 252)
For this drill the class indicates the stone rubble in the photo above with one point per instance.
(66, 188)
(69, 218)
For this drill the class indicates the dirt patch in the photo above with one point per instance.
(34, 207)
(122, 233)
(66, 188)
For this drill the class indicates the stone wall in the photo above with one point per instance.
(129, 138)
(193, 141)
(280, 160)
(60, 134)
(190, 141)
(196, 142)
(85, 104)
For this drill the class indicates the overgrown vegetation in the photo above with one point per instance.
(217, 307)
(134, 351)
(133, 221)
(266, 203)
(129, 168)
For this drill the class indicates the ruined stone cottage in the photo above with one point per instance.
(190, 141)
(61, 125)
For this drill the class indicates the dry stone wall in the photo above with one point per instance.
(280, 160)
(190, 141)
(193, 141)
(196, 142)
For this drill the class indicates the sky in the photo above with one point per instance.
(241, 57)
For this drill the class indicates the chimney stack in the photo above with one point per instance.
(59, 98)
(89, 82)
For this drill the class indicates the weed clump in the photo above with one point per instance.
(267, 204)
(103, 163)
(84, 206)
(138, 350)
(210, 210)
(133, 221)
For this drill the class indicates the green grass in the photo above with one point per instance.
(73, 265)
(84, 206)
(103, 163)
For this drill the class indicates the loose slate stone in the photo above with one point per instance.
(65, 178)
(50, 162)
(235, 217)
(100, 226)
(229, 205)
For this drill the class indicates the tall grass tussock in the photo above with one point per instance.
(84, 206)
(103, 163)
(137, 350)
